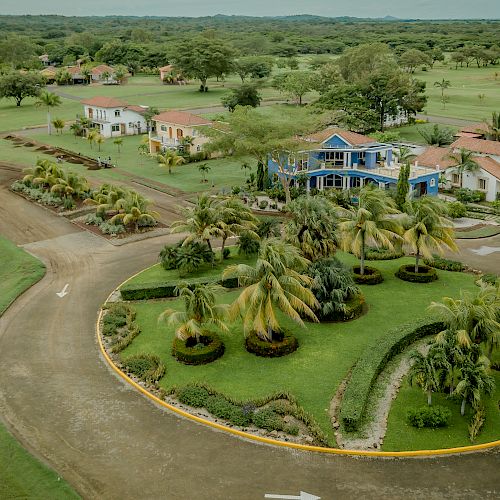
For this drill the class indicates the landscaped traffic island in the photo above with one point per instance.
(289, 397)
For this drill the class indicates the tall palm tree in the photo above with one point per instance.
(475, 381)
(443, 85)
(170, 159)
(424, 372)
(200, 311)
(494, 126)
(201, 221)
(428, 230)
(312, 227)
(204, 168)
(370, 223)
(464, 162)
(474, 318)
(234, 218)
(48, 100)
(274, 283)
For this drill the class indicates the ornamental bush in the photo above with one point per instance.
(373, 360)
(268, 419)
(371, 276)
(456, 209)
(147, 367)
(429, 416)
(383, 254)
(265, 349)
(425, 274)
(445, 264)
(207, 350)
(145, 291)
(193, 395)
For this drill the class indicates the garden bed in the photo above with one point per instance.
(423, 274)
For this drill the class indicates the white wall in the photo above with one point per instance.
(471, 181)
(127, 117)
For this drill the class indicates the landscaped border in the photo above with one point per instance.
(265, 440)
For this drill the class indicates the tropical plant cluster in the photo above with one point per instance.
(433, 417)
(146, 367)
(119, 327)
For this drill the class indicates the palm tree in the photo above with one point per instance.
(475, 381)
(313, 227)
(443, 85)
(273, 284)
(204, 168)
(369, 223)
(170, 159)
(118, 142)
(473, 318)
(58, 125)
(234, 218)
(437, 136)
(91, 136)
(134, 216)
(464, 162)
(45, 173)
(427, 230)
(494, 126)
(48, 100)
(424, 372)
(70, 185)
(200, 310)
(87, 74)
(143, 147)
(201, 221)
(106, 75)
(77, 129)
(99, 140)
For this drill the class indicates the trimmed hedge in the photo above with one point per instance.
(266, 349)
(382, 254)
(210, 349)
(353, 309)
(444, 264)
(425, 274)
(373, 360)
(371, 276)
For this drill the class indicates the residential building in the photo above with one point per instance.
(343, 160)
(113, 117)
(45, 60)
(77, 76)
(49, 73)
(104, 74)
(485, 179)
(172, 129)
(481, 147)
(169, 75)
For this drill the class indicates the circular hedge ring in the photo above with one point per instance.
(371, 276)
(190, 352)
(425, 274)
(276, 349)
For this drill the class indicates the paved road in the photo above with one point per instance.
(63, 403)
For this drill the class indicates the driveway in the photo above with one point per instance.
(63, 403)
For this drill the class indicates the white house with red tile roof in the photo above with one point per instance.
(479, 146)
(173, 126)
(113, 117)
(485, 179)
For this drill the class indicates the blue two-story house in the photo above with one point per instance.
(344, 160)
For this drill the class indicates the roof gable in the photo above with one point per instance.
(347, 137)
(181, 118)
(105, 102)
(477, 145)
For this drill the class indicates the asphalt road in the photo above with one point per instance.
(63, 403)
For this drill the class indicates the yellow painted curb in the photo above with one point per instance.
(274, 442)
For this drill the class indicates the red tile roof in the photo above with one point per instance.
(475, 128)
(477, 145)
(74, 70)
(468, 134)
(433, 156)
(102, 68)
(181, 118)
(490, 165)
(105, 102)
(138, 109)
(351, 137)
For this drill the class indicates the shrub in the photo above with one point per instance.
(425, 274)
(113, 229)
(371, 276)
(265, 349)
(226, 253)
(48, 198)
(193, 395)
(132, 331)
(112, 322)
(236, 190)
(268, 419)
(466, 195)
(383, 254)
(373, 361)
(187, 258)
(207, 350)
(263, 204)
(230, 283)
(240, 417)
(147, 367)
(445, 264)
(248, 244)
(490, 279)
(68, 204)
(219, 406)
(353, 308)
(93, 220)
(145, 291)
(293, 430)
(429, 416)
(457, 209)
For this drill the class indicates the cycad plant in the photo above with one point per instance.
(370, 223)
(274, 284)
(428, 230)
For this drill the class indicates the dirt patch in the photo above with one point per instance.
(28, 144)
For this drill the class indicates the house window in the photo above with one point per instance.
(332, 181)
(115, 128)
(455, 178)
(180, 133)
(198, 148)
(482, 184)
(335, 157)
(117, 112)
(163, 128)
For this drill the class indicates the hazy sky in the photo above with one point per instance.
(422, 9)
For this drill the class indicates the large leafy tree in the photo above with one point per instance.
(428, 230)
(48, 100)
(202, 58)
(464, 162)
(370, 223)
(18, 86)
(200, 311)
(274, 283)
(244, 95)
(295, 84)
(312, 227)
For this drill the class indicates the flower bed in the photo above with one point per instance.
(190, 352)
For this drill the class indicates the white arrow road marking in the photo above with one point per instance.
(485, 250)
(63, 292)
(303, 496)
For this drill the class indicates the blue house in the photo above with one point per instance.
(343, 160)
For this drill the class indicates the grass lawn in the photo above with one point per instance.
(326, 353)
(482, 232)
(466, 86)
(21, 475)
(401, 435)
(410, 133)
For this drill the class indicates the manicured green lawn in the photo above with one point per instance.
(21, 475)
(482, 232)
(326, 353)
(401, 435)
(411, 133)
(19, 270)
